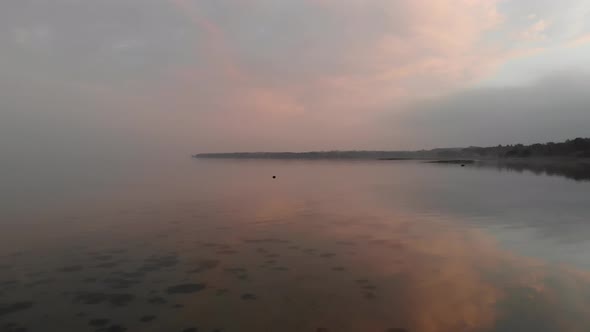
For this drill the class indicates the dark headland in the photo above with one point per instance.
(573, 149)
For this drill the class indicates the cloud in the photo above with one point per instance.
(227, 75)
(536, 31)
(579, 40)
(324, 64)
(551, 109)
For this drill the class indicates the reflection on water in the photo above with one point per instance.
(326, 246)
(575, 170)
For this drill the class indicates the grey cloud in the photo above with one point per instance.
(92, 40)
(565, 18)
(552, 109)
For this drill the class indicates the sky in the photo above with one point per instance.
(116, 78)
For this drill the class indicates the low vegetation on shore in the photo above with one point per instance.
(570, 149)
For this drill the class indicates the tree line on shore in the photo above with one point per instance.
(571, 148)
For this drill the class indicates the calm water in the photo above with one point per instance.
(218, 245)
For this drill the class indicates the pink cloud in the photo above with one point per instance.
(420, 48)
(579, 41)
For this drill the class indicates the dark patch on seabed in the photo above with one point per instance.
(14, 307)
(147, 318)
(118, 283)
(40, 282)
(103, 257)
(107, 265)
(72, 268)
(266, 240)
(157, 300)
(113, 328)
(221, 291)
(13, 327)
(227, 252)
(185, 288)
(8, 282)
(98, 322)
(156, 263)
(205, 265)
(115, 299)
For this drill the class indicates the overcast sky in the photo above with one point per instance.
(93, 77)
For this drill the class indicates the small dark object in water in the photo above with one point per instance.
(274, 177)
(462, 165)
(190, 329)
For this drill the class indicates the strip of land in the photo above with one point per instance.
(573, 149)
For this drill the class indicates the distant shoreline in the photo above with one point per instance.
(570, 150)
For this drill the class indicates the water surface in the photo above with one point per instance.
(219, 245)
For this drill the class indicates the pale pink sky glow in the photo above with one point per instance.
(205, 75)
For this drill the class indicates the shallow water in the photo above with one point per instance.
(219, 245)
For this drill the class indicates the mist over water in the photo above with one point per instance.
(325, 246)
